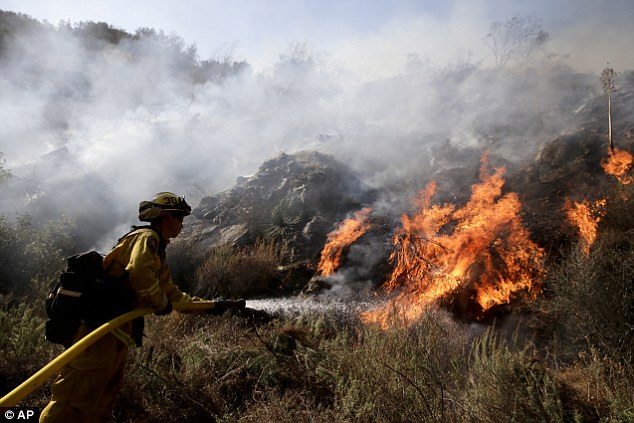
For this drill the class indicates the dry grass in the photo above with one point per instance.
(229, 271)
(221, 369)
(318, 369)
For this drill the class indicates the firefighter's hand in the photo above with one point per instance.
(166, 310)
(220, 306)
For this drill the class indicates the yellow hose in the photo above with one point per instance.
(13, 397)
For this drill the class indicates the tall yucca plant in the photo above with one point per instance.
(609, 87)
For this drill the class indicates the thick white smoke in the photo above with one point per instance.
(89, 131)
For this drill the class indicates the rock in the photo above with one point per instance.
(295, 197)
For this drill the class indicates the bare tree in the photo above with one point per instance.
(5, 174)
(518, 37)
(608, 77)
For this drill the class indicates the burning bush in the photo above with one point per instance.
(474, 258)
(619, 164)
(347, 233)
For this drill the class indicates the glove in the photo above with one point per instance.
(166, 310)
(220, 306)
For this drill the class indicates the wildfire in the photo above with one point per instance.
(586, 217)
(348, 231)
(482, 249)
(619, 164)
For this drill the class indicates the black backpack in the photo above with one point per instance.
(84, 292)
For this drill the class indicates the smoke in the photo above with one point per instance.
(92, 128)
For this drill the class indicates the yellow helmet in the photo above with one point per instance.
(162, 202)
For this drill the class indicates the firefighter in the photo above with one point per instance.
(86, 388)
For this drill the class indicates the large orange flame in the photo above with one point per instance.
(348, 232)
(585, 216)
(619, 164)
(482, 248)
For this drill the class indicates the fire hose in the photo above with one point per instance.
(13, 397)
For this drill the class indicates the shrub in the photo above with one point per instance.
(403, 374)
(206, 369)
(598, 388)
(24, 349)
(593, 295)
(231, 271)
(506, 385)
(618, 387)
(29, 251)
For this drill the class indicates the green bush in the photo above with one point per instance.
(24, 349)
(593, 296)
(404, 374)
(30, 251)
(510, 386)
(618, 387)
(31, 257)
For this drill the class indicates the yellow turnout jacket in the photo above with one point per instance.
(141, 256)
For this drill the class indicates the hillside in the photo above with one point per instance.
(450, 243)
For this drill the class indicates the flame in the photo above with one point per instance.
(619, 164)
(585, 216)
(348, 231)
(440, 250)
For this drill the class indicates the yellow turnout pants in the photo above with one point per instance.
(86, 388)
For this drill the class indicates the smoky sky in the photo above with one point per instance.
(89, 132)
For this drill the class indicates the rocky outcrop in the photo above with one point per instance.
(296, 197)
